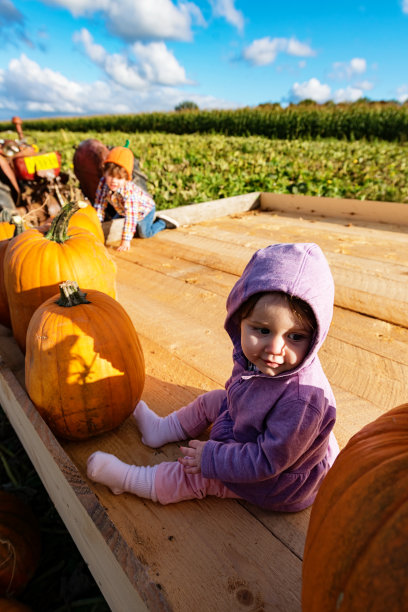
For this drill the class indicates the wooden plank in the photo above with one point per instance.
(364, 211)
(259, 227)
(376, 287)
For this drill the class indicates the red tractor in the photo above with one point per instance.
(30, 182)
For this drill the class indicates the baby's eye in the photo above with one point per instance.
(263, 330)
(297, 337)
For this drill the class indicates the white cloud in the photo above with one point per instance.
(348, 94)
(358, 65)
(142, 19)
(155, 63)
(94, 51)
(226, 8)
(405, 6)
(159, 65)
(310, 90)
(402, 92)
(263, 51)
(348, 70)
(37, 91)
(365, 85)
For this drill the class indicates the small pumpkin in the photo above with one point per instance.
(12, 605)
(20, 544)
(356, 552)
(17, 224)
(87, 218)
(35, 264)
(8, 221)
(85, 368)
(6, 230)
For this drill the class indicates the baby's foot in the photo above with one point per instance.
(157, 430)
(121, 477)
(108, 470)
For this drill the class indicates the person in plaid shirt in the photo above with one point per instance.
(128, 199)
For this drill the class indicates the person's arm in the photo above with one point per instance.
(100, 199)
(289, 433)
(131, 205)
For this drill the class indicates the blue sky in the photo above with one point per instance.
(85, 57)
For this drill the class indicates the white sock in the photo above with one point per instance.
(121, 477)
(157, 430)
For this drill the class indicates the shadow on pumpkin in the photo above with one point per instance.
(27, 303)
(83, 386)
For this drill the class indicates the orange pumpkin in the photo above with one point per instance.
(88, 219)
(4, 306)
(6, 230)
(20, 544)
(356, 552)
(85, 368)
(18, 226)
(35, 264)
(12, 605)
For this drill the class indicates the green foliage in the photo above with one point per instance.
(198, 168)
(187, 105)
(359, 120)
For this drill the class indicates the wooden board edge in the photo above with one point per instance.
(369, 211)
(95, 536)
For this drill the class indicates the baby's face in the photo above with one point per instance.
(273, 338)
(114, 183)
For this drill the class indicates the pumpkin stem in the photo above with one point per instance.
(59, 225)
(71, 295)
(18, 225)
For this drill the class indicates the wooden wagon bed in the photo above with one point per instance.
(215, 554)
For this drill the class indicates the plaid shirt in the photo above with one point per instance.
(130, 201)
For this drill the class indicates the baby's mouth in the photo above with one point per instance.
(273, 363)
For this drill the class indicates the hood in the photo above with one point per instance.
(300, 270)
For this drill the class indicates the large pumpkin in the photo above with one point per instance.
(35, 264)
(87, 218)
(356, 552)
(84, 363)
(20, 544)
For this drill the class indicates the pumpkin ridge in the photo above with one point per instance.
(342, 491)
(325, 518)
(365, 553)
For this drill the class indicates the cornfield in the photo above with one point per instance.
(369, 121)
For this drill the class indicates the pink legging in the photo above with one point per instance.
(171, 482)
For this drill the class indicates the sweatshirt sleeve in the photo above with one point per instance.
(291, 430)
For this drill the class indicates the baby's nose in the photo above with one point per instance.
(276, 345)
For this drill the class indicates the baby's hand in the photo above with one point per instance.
(192, 456)
(124, 246)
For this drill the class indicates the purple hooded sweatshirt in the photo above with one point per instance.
(270, 442)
